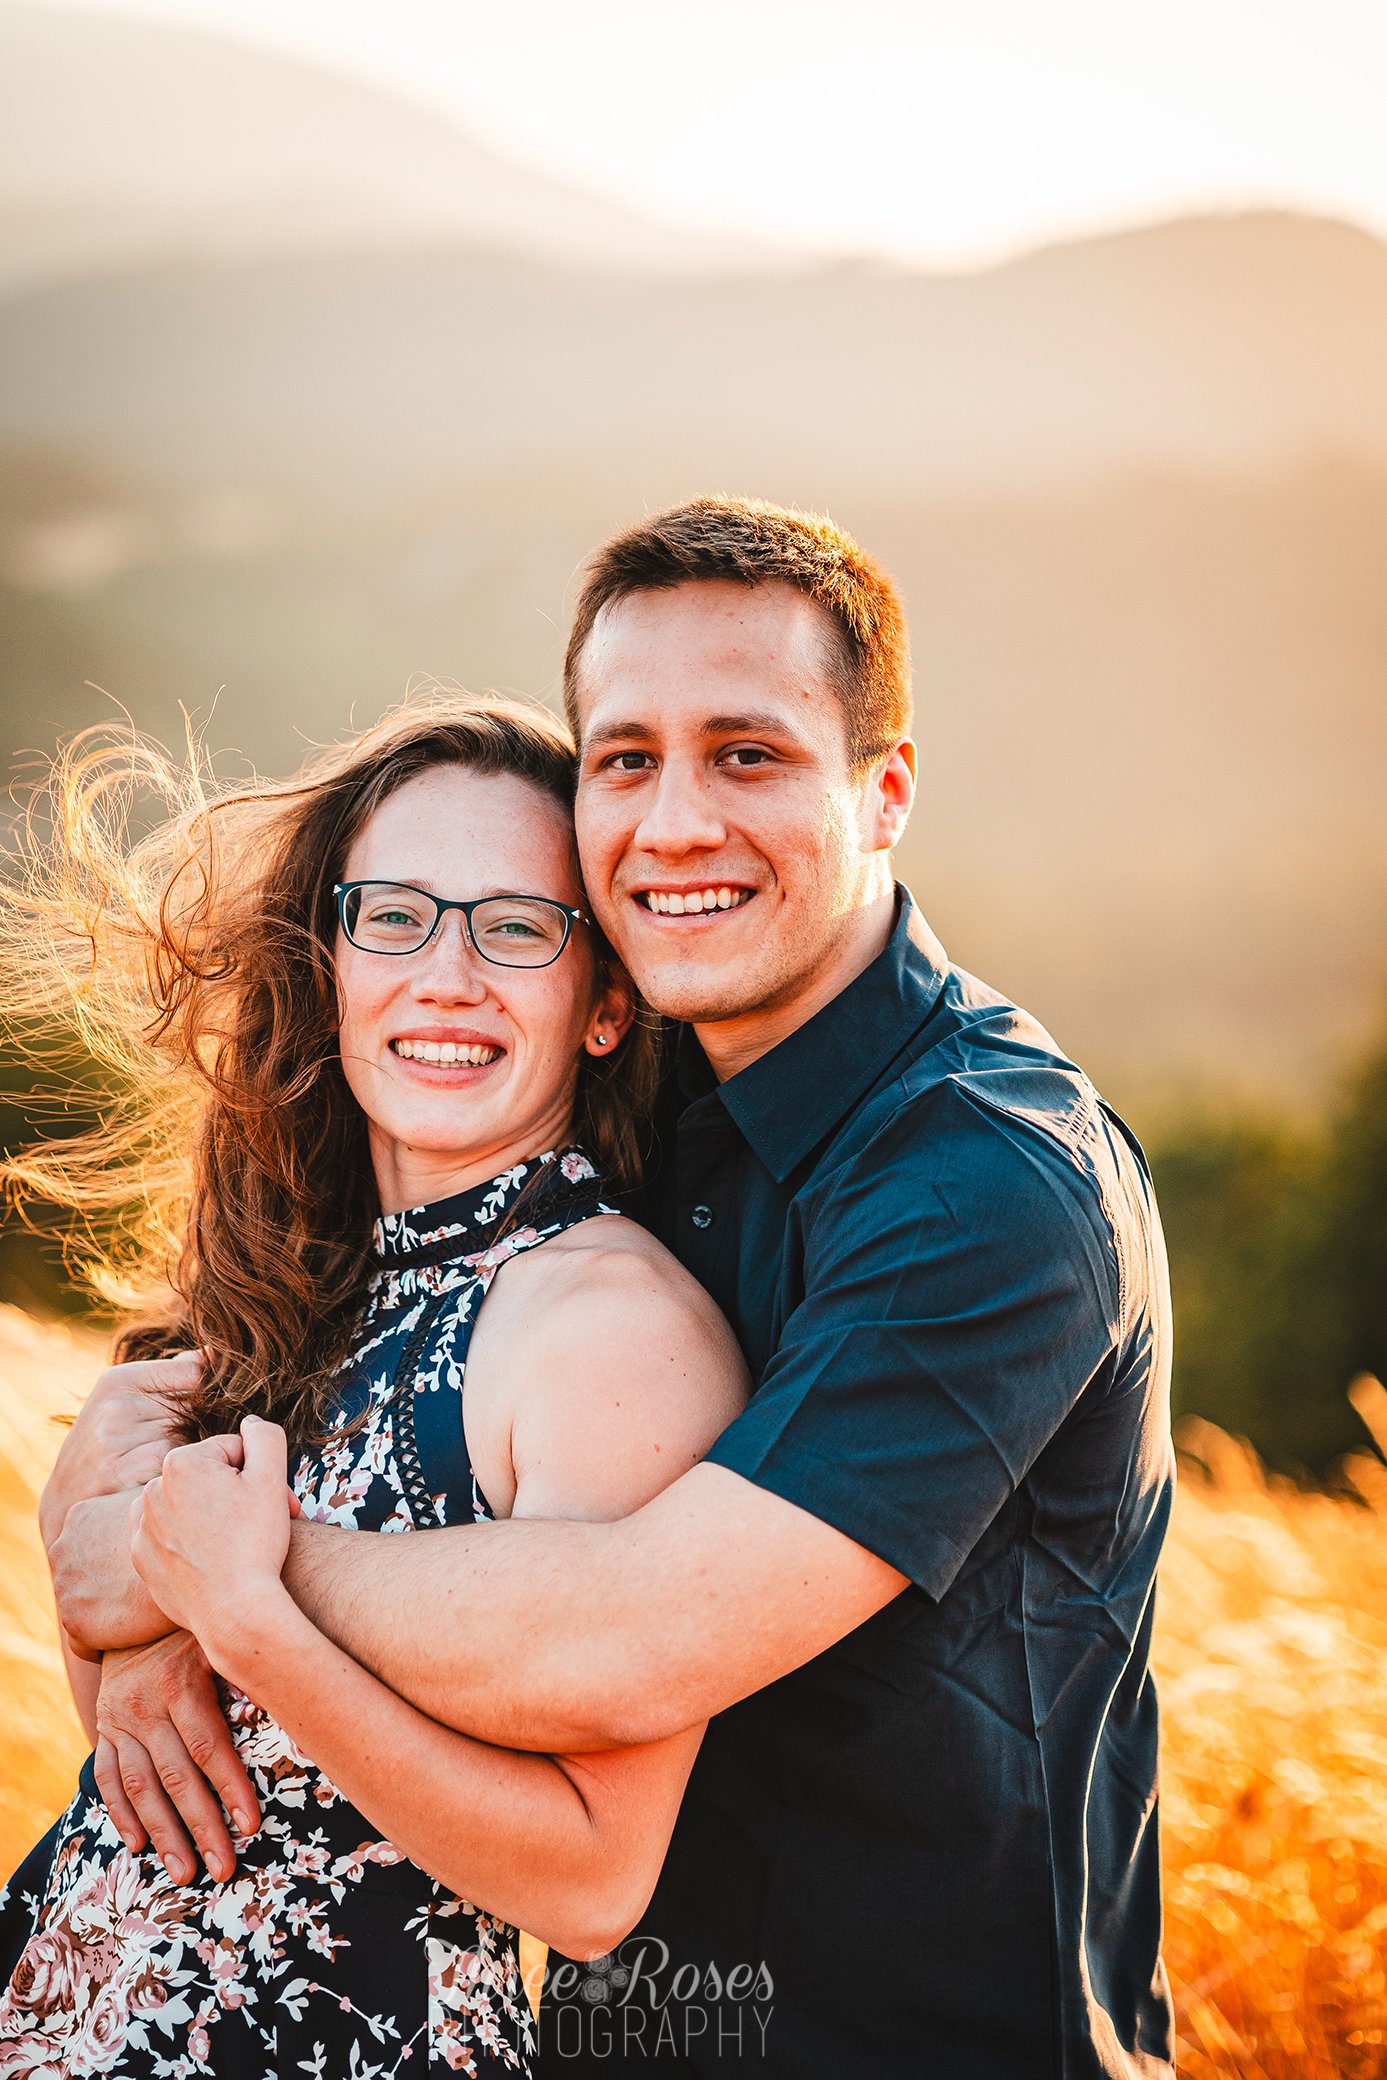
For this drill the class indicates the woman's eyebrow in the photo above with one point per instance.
(484, 894)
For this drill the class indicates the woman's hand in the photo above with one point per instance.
(210, 1536)
(166, 1764)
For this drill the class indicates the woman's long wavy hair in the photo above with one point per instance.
(225, 1197)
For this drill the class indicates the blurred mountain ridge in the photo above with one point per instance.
(1241, 344)
(1134, 489)
(126, 142)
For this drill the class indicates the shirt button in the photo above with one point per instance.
(702, 1216)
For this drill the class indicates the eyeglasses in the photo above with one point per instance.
(512, 931)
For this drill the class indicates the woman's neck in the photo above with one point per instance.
(407, 1176)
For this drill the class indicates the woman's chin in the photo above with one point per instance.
(453, 1132)
(429, 1104)
(451, 1137)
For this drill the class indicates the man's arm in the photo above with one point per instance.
(952, 1319)
(102, 1603)
(115, 1445)
(948, 1329)
(570, 1636)
(163, 1752)
(119, 1437)
(602, 1383)
(116, 1442)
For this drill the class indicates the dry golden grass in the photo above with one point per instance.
(43, 1371)
(1272, 1656)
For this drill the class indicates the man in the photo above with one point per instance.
(915, 1579)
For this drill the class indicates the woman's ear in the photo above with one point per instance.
(614, 1012)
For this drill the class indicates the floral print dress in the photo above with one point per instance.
(327, 1953)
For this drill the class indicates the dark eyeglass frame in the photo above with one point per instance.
(442, 904)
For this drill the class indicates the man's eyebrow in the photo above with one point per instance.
(619, 732)
(751, 722)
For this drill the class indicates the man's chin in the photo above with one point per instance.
(698, 988)
(698, 1000)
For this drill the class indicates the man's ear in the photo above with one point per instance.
(890, 793)
(614, 1012)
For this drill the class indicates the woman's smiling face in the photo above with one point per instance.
(439, 1126)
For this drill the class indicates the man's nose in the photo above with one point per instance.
(450, 966)
(680, 816)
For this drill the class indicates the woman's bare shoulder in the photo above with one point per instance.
(610, 1366)
(610, 1276)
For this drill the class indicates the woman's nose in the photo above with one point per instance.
(450, 966)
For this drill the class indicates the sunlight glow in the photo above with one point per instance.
(939, 134)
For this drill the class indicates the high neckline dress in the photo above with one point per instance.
(328, 1953)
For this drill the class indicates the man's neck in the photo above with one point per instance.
(733, 1044)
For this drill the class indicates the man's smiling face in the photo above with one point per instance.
(728, 846)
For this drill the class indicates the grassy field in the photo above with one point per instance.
(43, 1371)
(1273, 1663)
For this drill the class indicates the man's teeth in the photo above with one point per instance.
(445, 1051)
(696, 901)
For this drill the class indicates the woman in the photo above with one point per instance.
(373, 1003)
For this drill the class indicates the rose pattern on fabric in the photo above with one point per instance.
(328, 1952)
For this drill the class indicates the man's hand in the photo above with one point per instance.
(102, 1602)
(118, 1439)
(165, 1757)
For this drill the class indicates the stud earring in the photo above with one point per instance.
(601, 1039)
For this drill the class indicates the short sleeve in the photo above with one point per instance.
(960, 1293)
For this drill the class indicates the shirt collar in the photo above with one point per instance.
(790, 1099)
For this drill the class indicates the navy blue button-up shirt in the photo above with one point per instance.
(934, 1845)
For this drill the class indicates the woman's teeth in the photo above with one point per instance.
(444, 1051)
(697, 901)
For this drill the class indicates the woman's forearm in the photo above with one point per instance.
(511, 1833)
(84, 1681)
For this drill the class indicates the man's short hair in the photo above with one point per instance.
(757, 543)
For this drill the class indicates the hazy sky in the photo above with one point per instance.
(948, 130)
